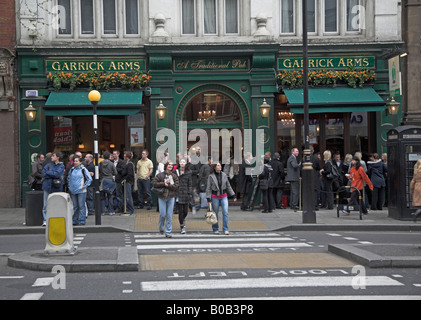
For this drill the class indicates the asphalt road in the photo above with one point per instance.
(288, 265)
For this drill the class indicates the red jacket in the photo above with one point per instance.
(357, 178)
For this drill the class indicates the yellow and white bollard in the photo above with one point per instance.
(59, 232)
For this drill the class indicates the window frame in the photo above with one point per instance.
(345, 20)
(194, 19)
(316, 19)
(87, 35)
(294, 17)
(216, 18)
(337, 19)
(131, 35)
(224, 16)
(109, 35)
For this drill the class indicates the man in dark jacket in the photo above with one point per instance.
(120, 165)
(278, 176)
(245, 181)
(53, 170)
(130, 170)
(377, 170)
(293, 176)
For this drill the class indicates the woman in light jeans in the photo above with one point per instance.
(217, 191)
(169, 182)
(78, 181)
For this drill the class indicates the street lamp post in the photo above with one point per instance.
(309, 213)
(94, 96)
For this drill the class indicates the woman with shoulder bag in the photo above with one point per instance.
(184, 193)
(78, 180)
(168, 181)
(266, 186)
(328, 179)
(358, 177)
(216, 192)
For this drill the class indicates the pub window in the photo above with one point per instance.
(287, 16)
(354, 14)
(188, 16)
(331, 16)
(311, 16)
(87, 17)
(64, 17)
(231, 16)
(209, 16)
(109, 17)
(132, 16)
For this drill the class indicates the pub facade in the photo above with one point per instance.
(156, 69)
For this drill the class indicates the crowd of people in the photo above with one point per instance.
(51, 175)
(182, 186)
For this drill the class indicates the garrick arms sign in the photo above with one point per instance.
(106, 65)
(327, 62)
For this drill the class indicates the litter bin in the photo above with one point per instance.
(33, 208)
(403, 151)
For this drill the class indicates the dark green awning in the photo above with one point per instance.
(328, 100)
(77, 103)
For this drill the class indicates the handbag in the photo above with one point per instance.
(264, 184)
(56, 183)
(158, 191)
(210, 216)
(31, 181)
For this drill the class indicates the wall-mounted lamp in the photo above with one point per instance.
(264, 109)
(161, 110)
(393, 106)
(30, 112)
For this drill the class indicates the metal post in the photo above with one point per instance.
(309, 213)
(96, 181)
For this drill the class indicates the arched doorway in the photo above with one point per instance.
(213, 106)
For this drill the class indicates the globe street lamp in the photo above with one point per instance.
(94, 96)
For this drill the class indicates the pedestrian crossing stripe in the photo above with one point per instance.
(214, 240)
(266, 283)
(223, 246)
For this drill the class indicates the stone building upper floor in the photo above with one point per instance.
(135, 23)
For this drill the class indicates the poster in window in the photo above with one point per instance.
(136, 137)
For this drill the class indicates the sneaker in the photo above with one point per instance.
(193, 210)
(216, 232)
(44, 224)
(183, 230)
(226, 233)
(168, 236)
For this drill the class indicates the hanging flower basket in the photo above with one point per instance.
(351, 77)
(98, 80)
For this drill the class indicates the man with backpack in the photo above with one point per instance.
(52, 179)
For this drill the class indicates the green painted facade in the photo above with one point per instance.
(245, 73)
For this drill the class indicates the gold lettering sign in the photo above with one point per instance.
(327, 62)
(107, 65)
(211, 64)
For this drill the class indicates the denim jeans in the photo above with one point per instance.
(223, 202)
(129, 198)
(90, 196)
(44, 208)
(166, 208)
(107, 201)
(79, 209)
(144, 186)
